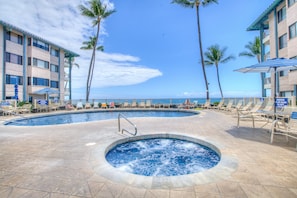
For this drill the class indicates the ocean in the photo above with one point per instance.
(172, 101)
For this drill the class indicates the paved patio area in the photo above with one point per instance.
(65, 161)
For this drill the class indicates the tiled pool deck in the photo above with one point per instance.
(67, 161)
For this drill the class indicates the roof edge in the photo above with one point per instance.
(264, 16)
(67, 52)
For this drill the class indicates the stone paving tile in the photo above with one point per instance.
(59, 161)
(255, 190)
(232, 189)
(277, 192)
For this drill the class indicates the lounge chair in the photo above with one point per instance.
(8, 110)
(79, 105)
(104, 106)
(111, 105)
(134, 104)
(142, 104)
(96, 105)
(206, 105)
(26, 108)
(148, 104)
(281, 127)
(247, 106)
(248, 114)
(53, 106)
(228, 107)
(126, 105)
(220, 105)
(88, 105)
(41, 105)
(69, 106)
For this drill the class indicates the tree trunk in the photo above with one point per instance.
(92, 64)
(219, 82)
(201, 51)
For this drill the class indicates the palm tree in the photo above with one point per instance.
(89, 45)
(254, 50)
(70, 62)
(96, 12)
(214, 56)
(196, 4)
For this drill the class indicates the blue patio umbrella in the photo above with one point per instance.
(271, 65)
(48, 91)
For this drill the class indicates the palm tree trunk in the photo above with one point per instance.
(219, 82)
(88, 79)
(92, 64)
(201, 51)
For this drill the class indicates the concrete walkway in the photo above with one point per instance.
(65, 161)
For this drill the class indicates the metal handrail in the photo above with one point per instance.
(119, 124)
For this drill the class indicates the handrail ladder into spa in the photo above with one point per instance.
(119, 124)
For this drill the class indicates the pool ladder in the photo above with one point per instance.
(119, 124)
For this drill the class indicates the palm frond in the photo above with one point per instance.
(185, 3)
(208, 2)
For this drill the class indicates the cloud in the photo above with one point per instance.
(61, 23)
(113, 70)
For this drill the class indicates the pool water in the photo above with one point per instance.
(162, 157)
(77, 117)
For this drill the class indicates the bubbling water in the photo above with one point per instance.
(162, 157)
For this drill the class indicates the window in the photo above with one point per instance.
(283, 41)
(291, 2)
(54, 52)
(39, 81)
(29, 42)
(29, 60)
(54, 84)
(40, 44)
(40, 63)
(281, 14)
(14, 37)
(293, 30)
(283, 73)
(54, 68)
(14, 80)
(13, 58)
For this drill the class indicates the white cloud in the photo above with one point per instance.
(61, 23)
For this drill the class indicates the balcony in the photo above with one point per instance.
(266, 38)
(66, 92)
(267, 83)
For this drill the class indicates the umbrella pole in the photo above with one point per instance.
(274, 108)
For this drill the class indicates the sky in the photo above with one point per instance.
(150, 46)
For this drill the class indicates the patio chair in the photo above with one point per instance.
(286, 126)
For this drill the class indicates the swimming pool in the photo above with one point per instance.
(81, 116)
(162, 157)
